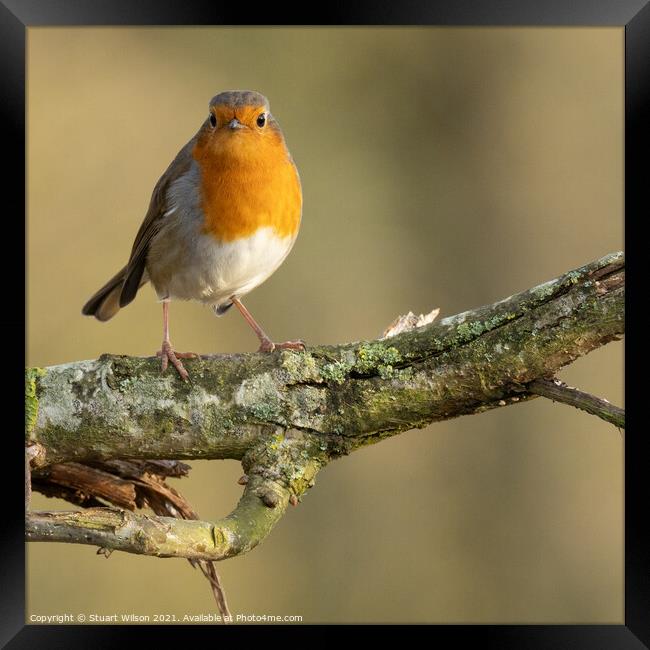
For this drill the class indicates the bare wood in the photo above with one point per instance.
(88, 480)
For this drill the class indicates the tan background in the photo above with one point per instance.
(440, 167)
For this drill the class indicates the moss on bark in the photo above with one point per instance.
(288, 413)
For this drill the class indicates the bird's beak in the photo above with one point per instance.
(235, 124)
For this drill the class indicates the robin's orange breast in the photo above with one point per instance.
(247, 183)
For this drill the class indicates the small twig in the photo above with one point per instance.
(209, 570)
(558, 391)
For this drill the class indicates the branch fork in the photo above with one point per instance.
(287, 414)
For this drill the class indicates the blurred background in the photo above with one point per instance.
(441, 167)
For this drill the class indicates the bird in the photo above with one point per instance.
(221, 219)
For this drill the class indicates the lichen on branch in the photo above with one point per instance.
(286, 414)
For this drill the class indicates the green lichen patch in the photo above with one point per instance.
(376, 355)
(275, 441)
(403, 374)
(336, 371)
(543, 292)
(31, 397)
(370, 358)
(466, 332)
(299, 367)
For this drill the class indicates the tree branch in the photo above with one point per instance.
(558, 391)
(287, 414)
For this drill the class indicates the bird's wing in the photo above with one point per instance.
(152, 222)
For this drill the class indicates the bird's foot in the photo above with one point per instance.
(267, 345)
(167, 354)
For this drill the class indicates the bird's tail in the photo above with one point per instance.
(221, 309)
(106, 302)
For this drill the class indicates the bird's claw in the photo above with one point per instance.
(167, 354)
(268, 346)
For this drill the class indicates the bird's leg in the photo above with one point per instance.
(266, 345)
(166, 352)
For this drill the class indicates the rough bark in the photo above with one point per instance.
(287, 414)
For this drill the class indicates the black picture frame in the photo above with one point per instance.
(634, 15)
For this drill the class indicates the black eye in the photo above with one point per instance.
(213, 120)
(261, 120)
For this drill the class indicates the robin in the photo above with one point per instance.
(221, 219)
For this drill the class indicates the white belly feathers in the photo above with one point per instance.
(199, 267)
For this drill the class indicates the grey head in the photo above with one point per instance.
(240, 98)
